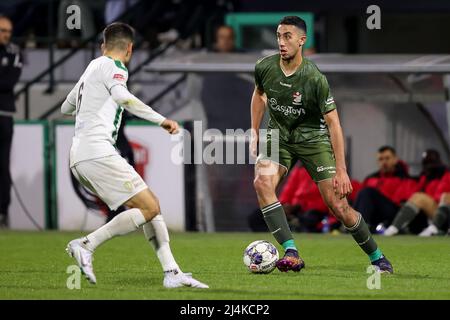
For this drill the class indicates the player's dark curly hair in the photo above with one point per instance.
(294, 21)
(118, 35)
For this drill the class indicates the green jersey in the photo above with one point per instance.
(296, 102)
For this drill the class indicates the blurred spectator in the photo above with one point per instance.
(424, 195)
(10, 70)
(30, 19)
(224, 40)
(378, 201)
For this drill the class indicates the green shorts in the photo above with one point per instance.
(318, 158)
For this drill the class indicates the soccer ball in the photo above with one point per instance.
(260, 257)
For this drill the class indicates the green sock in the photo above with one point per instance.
(360, 232)
(277, 223)
(406, 214)
(441, 217)
(289, 244)
(375, 255)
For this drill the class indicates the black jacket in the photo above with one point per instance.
(10, 69)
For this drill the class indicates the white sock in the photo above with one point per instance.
(156, 233)
(121, 224)
(391, 231)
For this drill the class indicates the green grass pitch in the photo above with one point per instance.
(33, 266)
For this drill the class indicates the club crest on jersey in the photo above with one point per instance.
(297, 98)
(128, 185)
(119, 77)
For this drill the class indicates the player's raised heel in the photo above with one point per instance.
(290, 261)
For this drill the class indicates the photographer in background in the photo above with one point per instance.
(10, 69)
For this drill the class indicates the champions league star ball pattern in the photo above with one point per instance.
(260, 257)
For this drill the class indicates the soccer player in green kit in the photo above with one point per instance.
(303, 111)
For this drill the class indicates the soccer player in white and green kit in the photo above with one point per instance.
(97, 101)
(303, 111)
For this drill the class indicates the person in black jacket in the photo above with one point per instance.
(10, 69)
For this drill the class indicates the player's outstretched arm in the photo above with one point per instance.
(258, 106)
(132, 104)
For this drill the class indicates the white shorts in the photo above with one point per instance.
(111, 178)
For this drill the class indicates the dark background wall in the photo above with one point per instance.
(407, 26)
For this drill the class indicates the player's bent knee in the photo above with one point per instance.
(149, 214)
(146, 202)
(339, 209)
(150, 209)
(263, 185)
